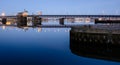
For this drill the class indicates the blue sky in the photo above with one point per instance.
(61, 6)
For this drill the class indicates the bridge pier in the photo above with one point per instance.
(37, 21)
(40, 21)
(96, 45)
(61, 21)
(4, 20)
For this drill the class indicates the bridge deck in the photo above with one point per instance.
(68, 16)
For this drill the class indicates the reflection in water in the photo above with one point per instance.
(40, 46)
(95, 45)
(3, 27)
(39, 29)
(47, 47)
(36, 29)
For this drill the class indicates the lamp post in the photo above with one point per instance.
(4, 19)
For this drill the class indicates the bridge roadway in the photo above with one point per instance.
(69, 16)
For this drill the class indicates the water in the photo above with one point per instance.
(40, 46)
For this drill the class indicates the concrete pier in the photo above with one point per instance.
(40, 21)
(95, 44)
(37, 21)
(61, 21)
(4, 20)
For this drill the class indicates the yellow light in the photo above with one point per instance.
(25, 14)
(87, 20)
(8, 23)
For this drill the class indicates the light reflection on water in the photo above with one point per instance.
(40, 46)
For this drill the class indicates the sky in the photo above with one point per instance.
(69, 7)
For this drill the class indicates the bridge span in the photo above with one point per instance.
(20, 19)
(66, 16)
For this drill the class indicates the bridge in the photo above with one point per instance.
(38, 19)
(66, 16)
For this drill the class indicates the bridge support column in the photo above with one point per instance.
(4, 20)
(61, 21)
(24, 21)
(37, 21)
(40, 21)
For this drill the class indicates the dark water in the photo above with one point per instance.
(36, 46)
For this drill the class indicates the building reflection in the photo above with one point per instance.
(95, 45)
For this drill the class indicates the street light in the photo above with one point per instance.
(3, 14)
(25, 13)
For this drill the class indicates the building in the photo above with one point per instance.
(22, 18)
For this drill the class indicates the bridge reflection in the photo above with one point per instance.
(99, 45)
(96, 41)
(55, 29)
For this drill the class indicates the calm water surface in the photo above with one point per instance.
(40, 46)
